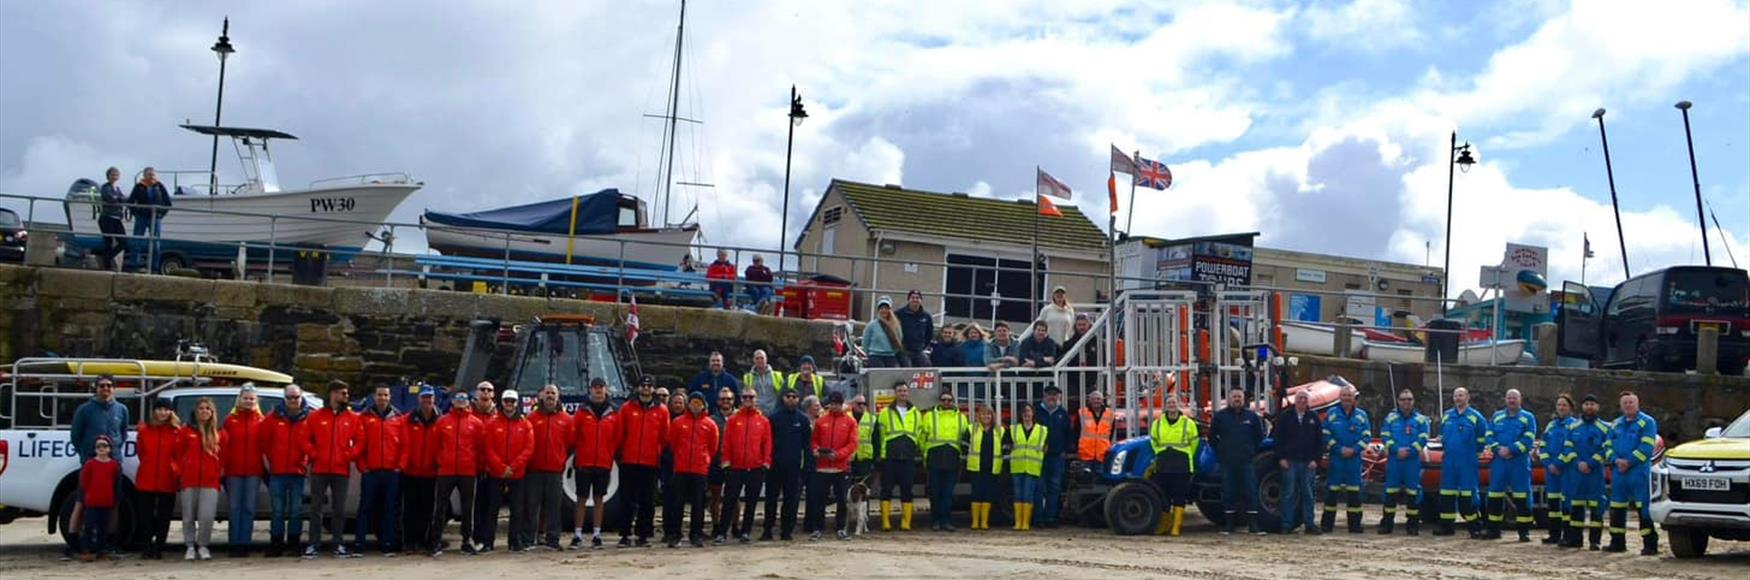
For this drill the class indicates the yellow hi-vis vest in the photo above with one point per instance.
(894, 425)
(1180, 436)
(1028, 457)
(819, 386)
(944, 427)
(865, 437)
(972, 459)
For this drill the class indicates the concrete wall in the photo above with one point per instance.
(1685, 405)
(360, 335)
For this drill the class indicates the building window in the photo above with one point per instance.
(1352, 286)
(829, 238)
(832, 215)
(1403, 292)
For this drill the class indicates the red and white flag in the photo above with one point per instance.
(1121, 163)
(1048, 185)
(632, 323)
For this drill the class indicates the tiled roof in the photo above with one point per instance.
(957, 215)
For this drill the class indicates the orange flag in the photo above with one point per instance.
(1046, 208)
(1112, 192)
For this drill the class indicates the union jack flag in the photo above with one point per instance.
(1153, 174)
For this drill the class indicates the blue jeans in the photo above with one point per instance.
(379, 508)
(242, 493)
(942, 483)
(285, 493)
(1237, 485)
(145, 240)
(1026, 488)
(1051, 482)
(1297, 496)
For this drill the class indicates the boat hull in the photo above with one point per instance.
(1506, 352)
(1318, 340)
(656, 249)
(335, 217)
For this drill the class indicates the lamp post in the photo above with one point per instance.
(797, 114)
(1457, 158)
(1705, 252)
(1610, 175)
(224, 49)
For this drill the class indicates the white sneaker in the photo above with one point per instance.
(190, 555)
(205, 555)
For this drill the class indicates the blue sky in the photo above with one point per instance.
(1321, 124)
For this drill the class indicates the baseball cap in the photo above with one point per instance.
(427, 391)
(884, 302)
(459, 397)
(598, 382)
(509, 394)
(648, 380)
(1053, 390)
(835, 398)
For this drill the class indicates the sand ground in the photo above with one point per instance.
(27, 552)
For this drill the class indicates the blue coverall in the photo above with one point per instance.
(1585, 492)
(1404, 476)
(1556, 477)
(1510, 479)
(1462, 436)
(1631, 438)
(1345, 430)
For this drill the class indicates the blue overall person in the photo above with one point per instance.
(1556, 477)
(1347, 430)
(1512, 433)
(1628, 449)
(1463, 430)
(1584, 461)
(1405, 431)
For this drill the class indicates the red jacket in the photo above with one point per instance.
(595, 439)
(97, 483)
(195, 467)
(419, 449)
(242, 452)
(285, 444)
(381, 435)
(553, 433)
(641, 432)
(156, 449)
(838, 432)
(694, 440)
(509, 443)
(720, 270)
(747, 441)
(458, 441)
(335, 439)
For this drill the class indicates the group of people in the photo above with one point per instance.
(1577, 452)
(908, 337)
(759, 288)
(145, 204)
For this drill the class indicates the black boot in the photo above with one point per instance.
(1227, 523)
(1355, 521)
(1474, 519)
(1650, 543)
(1618, 521)
(1413, 523)
(1385, 523)
(1557, 521)
(1328, 521)
(1576, 526)
(1496, 511)
(275, 545)
(1446, 507)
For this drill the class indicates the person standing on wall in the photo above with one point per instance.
(916, 327)
(148, 202)
(112, 206)
(884, 337)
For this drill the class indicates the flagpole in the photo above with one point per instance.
(1131, 218)
(1033, 260)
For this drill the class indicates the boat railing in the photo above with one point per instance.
(204, 185)
(364, 179)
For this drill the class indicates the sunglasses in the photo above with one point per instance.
(105, 385)
(747, 397)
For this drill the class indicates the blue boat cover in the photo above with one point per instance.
(597, 213)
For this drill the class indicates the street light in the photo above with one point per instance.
(1705, 252)
(224, 49)
(1610, 175)
(1458, 158)
(797, 114)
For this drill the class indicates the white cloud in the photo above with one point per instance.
(1370, 25)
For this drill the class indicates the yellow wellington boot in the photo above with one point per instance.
(980, 516)
(904, 517)
(1165, 525)
(1020, 515)
(886, 516)
(1027, 525)
(1178, 520)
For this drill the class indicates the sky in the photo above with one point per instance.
(1323, 125)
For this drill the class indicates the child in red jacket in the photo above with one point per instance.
(97, 488)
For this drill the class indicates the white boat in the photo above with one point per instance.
(1318, 339)
(1506, 352)
(338, 213)
(603, 228)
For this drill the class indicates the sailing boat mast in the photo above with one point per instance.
(674, 104)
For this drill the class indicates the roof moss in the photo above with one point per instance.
(965, 217)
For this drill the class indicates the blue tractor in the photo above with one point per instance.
(1122, 495)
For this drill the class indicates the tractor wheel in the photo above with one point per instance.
(1133, 508)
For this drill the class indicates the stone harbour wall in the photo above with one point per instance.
(360, 335)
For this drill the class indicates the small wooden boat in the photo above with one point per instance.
(1318, 339)
(1506, 352)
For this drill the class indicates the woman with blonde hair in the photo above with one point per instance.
(1059, 317)
(972, 345)
(883, 338)
(200, 469)
(984, 460)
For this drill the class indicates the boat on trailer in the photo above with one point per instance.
(339, 213)
(605, 228)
